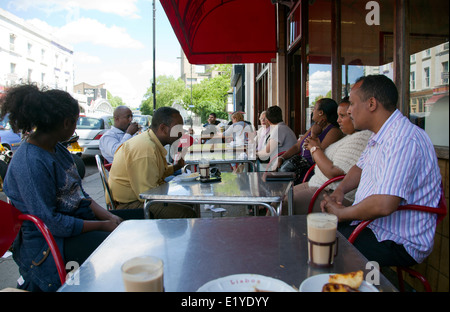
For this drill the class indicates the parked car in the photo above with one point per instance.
(10, 140)
(89, 130)
(143, 120)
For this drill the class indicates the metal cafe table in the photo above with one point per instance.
(219, 154)
(245, 188)
(196, 251)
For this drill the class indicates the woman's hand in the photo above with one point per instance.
(317, 127)
(310, 142)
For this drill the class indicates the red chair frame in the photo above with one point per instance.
(11, 220)
(441, 211)
(320, 189)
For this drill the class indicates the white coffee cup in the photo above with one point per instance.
(322, 241)
(143, 274)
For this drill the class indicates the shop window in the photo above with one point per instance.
(429, 105)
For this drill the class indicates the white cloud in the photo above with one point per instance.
(125, 8)
(90, 30)
(162, 68)
(319, 84)
(85, 58)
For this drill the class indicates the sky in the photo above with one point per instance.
(112, 42)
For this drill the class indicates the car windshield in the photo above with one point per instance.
(90, 123)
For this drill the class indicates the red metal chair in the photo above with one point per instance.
(10, 222)
(106, 164)
(320, 189)
(441, 211)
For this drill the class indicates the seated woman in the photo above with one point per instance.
(325, 128)
(331, 162)
(280, 138)
(238, 130)
(42, 180)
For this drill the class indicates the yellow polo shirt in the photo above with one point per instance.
(139, 165)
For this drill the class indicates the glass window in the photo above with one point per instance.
(426, 76)
(413, 80)
(429, 107)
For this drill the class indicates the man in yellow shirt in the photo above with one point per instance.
(140, 164)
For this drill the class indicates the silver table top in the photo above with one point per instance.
(247, 188)
(196, 251)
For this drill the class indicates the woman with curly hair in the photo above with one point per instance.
(42, 180)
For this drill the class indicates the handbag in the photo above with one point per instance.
(297, 164)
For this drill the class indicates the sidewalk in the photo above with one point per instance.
(93, 186)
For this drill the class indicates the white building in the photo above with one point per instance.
(28, 54)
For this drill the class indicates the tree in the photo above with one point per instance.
(114, 100)
(168, 91)
(210, 95)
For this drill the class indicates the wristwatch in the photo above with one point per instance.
(314, 148)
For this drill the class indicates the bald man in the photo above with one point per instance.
(122, 130)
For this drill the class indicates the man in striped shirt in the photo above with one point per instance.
(398, 167)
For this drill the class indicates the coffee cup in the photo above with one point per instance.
(203, 167)
(143, 274)
(322, 240)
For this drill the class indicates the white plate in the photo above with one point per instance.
(316, 282)
(245, 283)
(188, 177)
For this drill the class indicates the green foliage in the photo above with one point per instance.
(208, 96)
(169, 91)
(114, 100)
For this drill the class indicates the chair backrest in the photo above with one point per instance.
(10, 222)
(309, 173)
(104, 177)
(320, 189)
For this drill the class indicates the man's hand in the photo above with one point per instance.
(329, 204)
(180, 164)
(133, 128)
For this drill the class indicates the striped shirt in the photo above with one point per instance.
(400, 160)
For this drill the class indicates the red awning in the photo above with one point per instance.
(435, 98)
(224, 31)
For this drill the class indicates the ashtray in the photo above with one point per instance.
(209, 180)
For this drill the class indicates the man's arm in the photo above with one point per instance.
(110, 143)
(372, 207)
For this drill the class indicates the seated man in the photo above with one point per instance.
(140, 164)
(122, 130)
(398, 167)
(210, 129)
(280, 139)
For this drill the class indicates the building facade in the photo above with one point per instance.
(30, 55)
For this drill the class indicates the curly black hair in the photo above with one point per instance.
(30, 108)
